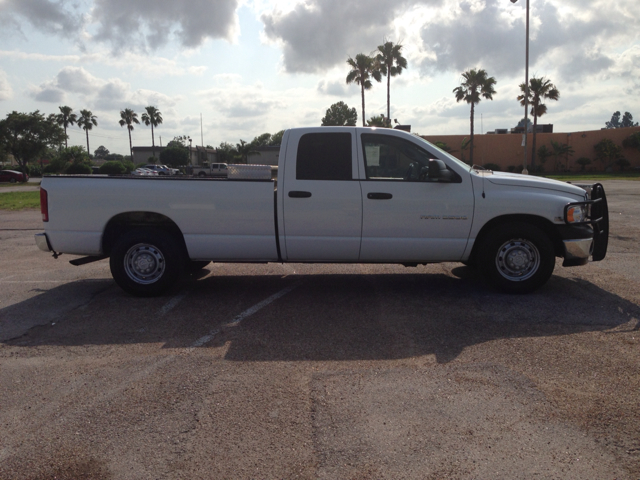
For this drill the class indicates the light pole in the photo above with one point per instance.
(526, 94)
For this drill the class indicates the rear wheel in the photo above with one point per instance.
(12, 180)
(517, 258)
(202, 174)
(146, 262)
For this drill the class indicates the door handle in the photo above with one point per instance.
(379, 196)
(298, 194)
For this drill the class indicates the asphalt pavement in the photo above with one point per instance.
(320, 371)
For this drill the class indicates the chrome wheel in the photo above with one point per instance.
(144, 263)
(517, 260)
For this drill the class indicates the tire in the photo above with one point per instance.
(202, 174)
(12, 180)
(517, 258)
(146, 262)
(193, 266)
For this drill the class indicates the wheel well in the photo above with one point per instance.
(124, 222)
(542, 223)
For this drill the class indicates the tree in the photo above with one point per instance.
(87, 121)
(128, 117)
(475, 84)
(101, 152)
(339, 115)
(276, 139)
(362, 69)
(65, 118)
(377, 121)
(75, 160)
(583, 162)
(152, 117)
(521, 124)
(627, 121)
(607, 151)
(261, 140)
(245, 149)
(539, 89)
(632, 141)
(561, 150)
(174, 156)
(391, 63)
(26, 136)
(226, 153)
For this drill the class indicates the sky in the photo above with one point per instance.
(247, 67)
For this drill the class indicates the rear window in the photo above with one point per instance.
(324, 156)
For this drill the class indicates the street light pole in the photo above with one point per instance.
(526, 92)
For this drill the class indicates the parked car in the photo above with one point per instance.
(144, 172)
(161, 169)
(13, 176)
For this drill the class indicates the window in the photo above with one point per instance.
(392, 158)
(324, 156)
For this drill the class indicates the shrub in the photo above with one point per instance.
(128, 166)
(112, 168)
(492, 166)
(35, 171)
(622, 163)
(78, 169)
(583, 162)
(511, 168)
(607, 151)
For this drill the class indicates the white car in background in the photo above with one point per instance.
(161, 169)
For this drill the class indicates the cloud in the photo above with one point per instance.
(235, 101)
(490, 35)
(45, 15)
(6, 92)
(335, 88)
(147, 25)
(100, 94)
(318, 34)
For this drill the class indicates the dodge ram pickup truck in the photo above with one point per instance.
(342, 195)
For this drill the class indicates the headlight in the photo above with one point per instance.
(576, 213)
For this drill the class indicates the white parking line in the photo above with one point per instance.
(171, 304)
(250, 311)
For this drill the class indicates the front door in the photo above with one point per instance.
(407, 217)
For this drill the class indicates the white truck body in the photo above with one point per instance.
(350, 205)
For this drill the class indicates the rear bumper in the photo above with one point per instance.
(42, 241)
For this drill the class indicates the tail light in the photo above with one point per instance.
(44, 205)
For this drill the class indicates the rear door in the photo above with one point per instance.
(322, 198)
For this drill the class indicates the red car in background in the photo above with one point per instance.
(13, 176)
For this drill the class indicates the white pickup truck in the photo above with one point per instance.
(343, 195)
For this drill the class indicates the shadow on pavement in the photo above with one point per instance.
(328, 317)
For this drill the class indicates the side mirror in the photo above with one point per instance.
(438, 171)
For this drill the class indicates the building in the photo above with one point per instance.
(142, 154)
(266, 156)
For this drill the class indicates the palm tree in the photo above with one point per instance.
(152, 117)
(539, 90)
(362, 69)
(391, 63)
(475, 84)
(66, 118)
(86, 121)
(245, 149)
(128, 117)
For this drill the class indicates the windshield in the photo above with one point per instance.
(447, 155)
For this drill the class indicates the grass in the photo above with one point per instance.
(582, 176)
(20, 184)
(19, 200)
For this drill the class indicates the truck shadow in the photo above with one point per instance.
(326, 317)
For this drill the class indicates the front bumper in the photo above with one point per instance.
(577, 252)
(42, 241)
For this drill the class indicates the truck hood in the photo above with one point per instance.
(518, 180)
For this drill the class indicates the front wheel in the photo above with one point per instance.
(517, 258)
(146, 262)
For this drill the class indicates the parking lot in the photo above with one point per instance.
(320, 371)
